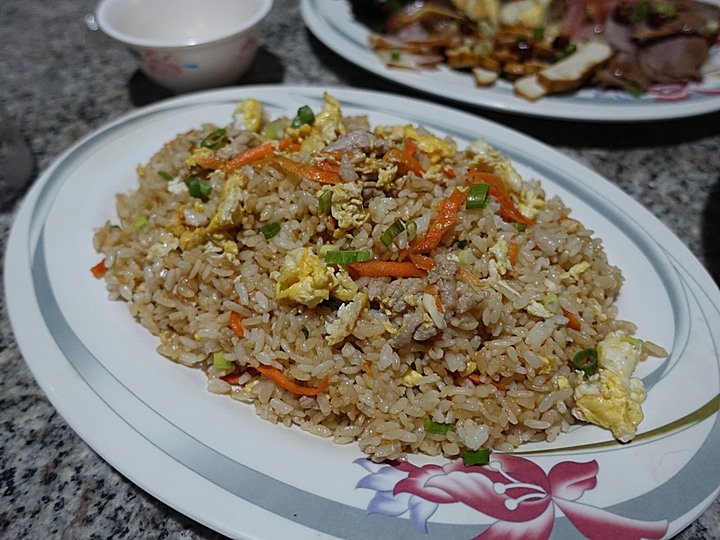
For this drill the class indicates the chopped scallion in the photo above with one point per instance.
(519, 226)
(327, 248)
(270, 229)
(586, 361)
(305, 115)
(198, 189)
(276, 129)
(477, 196)
(411, 228)
(551, 302)
(462, 244)
(305, 331)
(476, 457)
(213, 139)
(141, 224)
(220, 362)
(395, 55)
(165, 176)
(438, 428)
(346, 257)
(324, 203)
(392, 231)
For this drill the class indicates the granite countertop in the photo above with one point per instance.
(59, 82)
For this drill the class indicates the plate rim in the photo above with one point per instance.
(16, 243)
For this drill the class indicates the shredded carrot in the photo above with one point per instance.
(476, 378)
(469, 278)
(422, 262)
(99, 270)
(231, 378)
(326, 165)
(279, 378)
(513, 252)
(366, 369)
(449, 172)
(410, 146)
(432, 290)
(405, 162)
(573, 320)
(497, 189)
(384, 268)
(211, 162)
(444, 220)
(236, 324)
(253, 154)
(311, 173)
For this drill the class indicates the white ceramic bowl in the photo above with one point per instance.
(187, 45)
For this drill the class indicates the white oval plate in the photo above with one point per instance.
(214, 460)
(331, 21)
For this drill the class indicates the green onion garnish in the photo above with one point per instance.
(305, 331)
(141, 224)
(392, 231)
(519, 226)
(462, 244)
(477, 196)
(395, 55)
(198, 189)
(214, 138)
(332, 303)
(269, 230)
(304, 116)
(476, 457)
(276, 129)
(165, 176)
(538, 33)
(634, 88)
(438, 428)
(346, 257)
(411, 228)
(551, 302)
(220, 362)
(324, 203)
(586, 361)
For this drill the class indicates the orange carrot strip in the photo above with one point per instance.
(311, 173)
(253, 154)
(432, 290)
(422, 262)
(469, 278)
(410, 146)
(99, 270)
(232, 378)
(444, 220)
(477, 379)
(513, 252)
(326, 165)
(279, 378)
(236, 324)
(573, 320)
(384, 268)
(497, 189)
(405, 162)
(211, 162)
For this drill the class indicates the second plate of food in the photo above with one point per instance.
(333, 23)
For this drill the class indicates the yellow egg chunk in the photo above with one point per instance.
(304, 278)
(612, 398)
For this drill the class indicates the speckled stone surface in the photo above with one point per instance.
(58, 82)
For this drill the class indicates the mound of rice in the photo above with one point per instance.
(460, 343)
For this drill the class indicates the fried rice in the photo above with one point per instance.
(346, 279)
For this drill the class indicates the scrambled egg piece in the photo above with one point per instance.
(435, 147)
(347, 206)
(166, 243)
(612, 398)
(229, 210)
(411, 378)
(328, 126)
(347, 316)
(529, 13)
(197, 155)
(306, 279)
(501, 263)
(575, 271)
(482, 153)
(249, 114)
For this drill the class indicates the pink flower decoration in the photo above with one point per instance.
(513, 490)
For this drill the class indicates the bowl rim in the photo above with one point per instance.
(127, 39)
